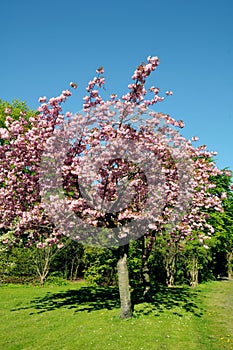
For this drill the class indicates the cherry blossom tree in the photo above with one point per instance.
(116, 171)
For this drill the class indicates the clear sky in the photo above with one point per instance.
(47, 44)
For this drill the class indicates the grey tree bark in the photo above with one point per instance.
(194, 272)
(229, 264)
(170, 267)
(145, 271)
(124, 287)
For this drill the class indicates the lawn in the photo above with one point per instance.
(83, 317)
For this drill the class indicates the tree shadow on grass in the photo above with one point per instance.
(179, 300)
(83, 299)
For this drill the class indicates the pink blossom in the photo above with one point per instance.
(73, 85)
(154, 89)
(42, 99)
(40, 245)
(228, 173)
(100, 70)
(68, 114)
(4, 133)
(7, 110)
(179, 123)
(66, 93)
(111, 123)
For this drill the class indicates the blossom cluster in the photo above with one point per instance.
(154, 175)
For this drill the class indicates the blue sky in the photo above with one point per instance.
(47, 44)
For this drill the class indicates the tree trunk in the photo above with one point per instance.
(42, 263)
(194, 272)
(72, 269)
(42, 279)
(229, 264)
(124, 288)
(146, 282)
(75, 273)
(42, 260)
(145, 272)
(170, 267)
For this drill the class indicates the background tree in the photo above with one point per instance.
(222, 240)
(69, 262)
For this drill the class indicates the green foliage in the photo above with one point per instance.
(24, 264)
(135, 261)
(55, 280)
(68, 263)
(16, 107)
(16, 265)
(194, 252)
(100, 266)
(163, 250)
(222, 240)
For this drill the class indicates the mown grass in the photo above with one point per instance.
(84, 317)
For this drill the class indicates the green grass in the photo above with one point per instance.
(79, 317)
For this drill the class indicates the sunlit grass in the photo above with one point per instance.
(78, 317)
